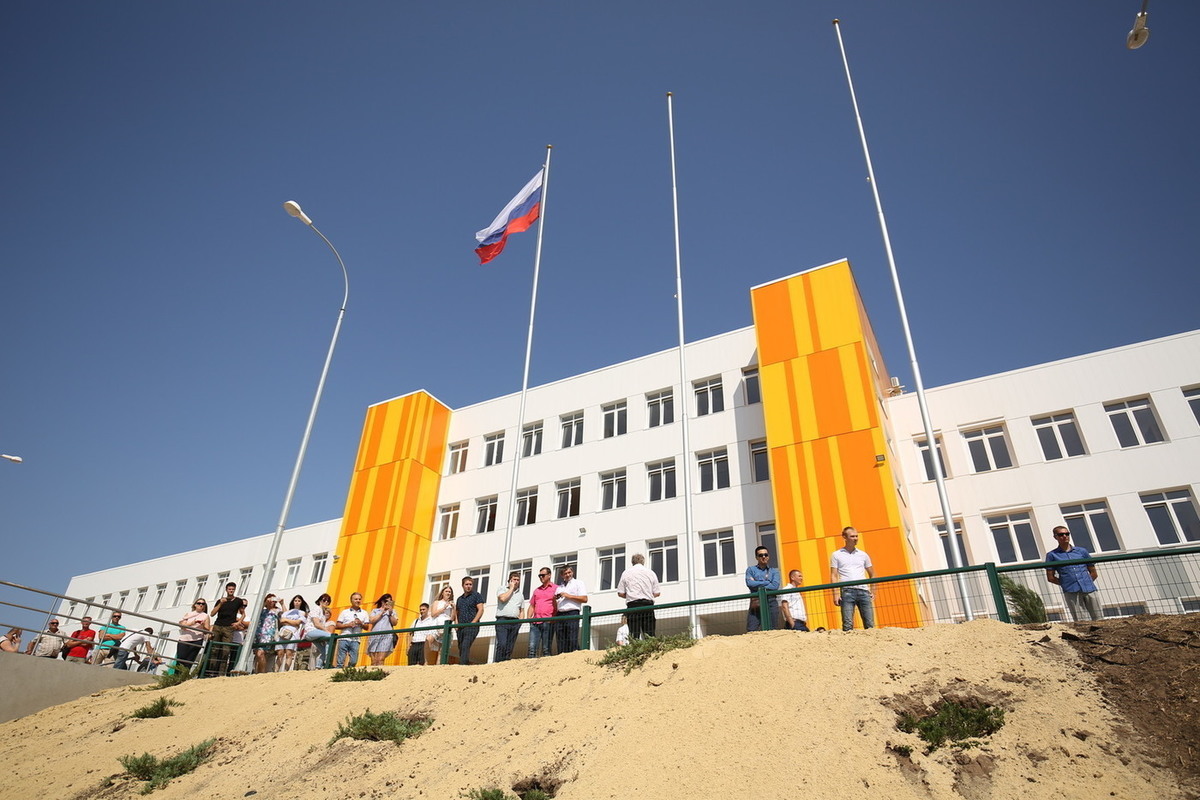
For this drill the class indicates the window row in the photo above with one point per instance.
(1172, 515)
(660, 410)
(1134, 423)
(717, 557)
(712, 468)
(147, 598)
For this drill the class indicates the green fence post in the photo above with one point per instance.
(585, 637)
(444, 655)
(764, 610)
(997, 592)
(331, 651)
(204, 659)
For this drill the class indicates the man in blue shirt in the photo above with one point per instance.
(761, 574)
(1078, 581)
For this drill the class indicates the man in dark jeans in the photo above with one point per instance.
(470, 609)
(228, 612)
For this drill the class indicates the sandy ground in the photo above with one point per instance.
(765, 714)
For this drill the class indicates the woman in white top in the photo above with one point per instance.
(193, 629)
(316, 630)
(383, 619)
(440, 612)
(291, 626)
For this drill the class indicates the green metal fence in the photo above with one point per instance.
(1158, 582)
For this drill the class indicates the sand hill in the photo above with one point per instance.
(765, 714)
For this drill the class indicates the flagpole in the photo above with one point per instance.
(686, 467)
(934, 453)
(537, 266)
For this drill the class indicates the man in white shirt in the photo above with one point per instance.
(137, 652)
(851, 564)
(352, 620)
(509, 607)
(795, 615)
(638, 587)
(572, 594)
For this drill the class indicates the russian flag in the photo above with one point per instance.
(521, 212)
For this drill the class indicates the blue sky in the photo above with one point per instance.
(165, 321)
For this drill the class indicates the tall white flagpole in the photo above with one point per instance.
(537, 266)
(685, 468)
(934, 453)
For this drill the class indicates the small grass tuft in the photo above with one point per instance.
(639, 651)
(1024, 604)
(385, 727)
(160, 772)
(953, 723)
(159, 708)
(358, 674)
(174, 679)
(500, 794)
(902, 749)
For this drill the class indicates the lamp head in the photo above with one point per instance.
(293, 208)
(14, 459)
(1140, 33)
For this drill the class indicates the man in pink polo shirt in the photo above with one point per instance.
(542, 605)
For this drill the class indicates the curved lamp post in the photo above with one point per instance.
(253, 611)
(14, 459)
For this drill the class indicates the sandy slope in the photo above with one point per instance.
(761, 714)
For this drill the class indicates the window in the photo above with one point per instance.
(179, 587)
(612, 564)
(526, 570)
(483, 577)
(568, 498)
(293, 573)
(141, 598)
(1173, 516)
(448, 522)
(1124, 610)
(1134, 422)
(709, 397)
(1059, 436)
(160, 591)
(927, 459)
(662, 479)
(437, 582)
(664, 559)
(527, 506)
(531, 439)
(243, 580)
(616, 416)
(660, 408)
(320, 563)
(760, 463)
(121, 600)
(1013, 534)
(222, 579)
(718, 553)
(1189, 604)
(714, 469)
(572, 429)
(964, 561)
(1193, 399)
(612, 489)
(493, 448)
(765, 537)
(750, 385)
(201, 584)
(71, 610)
(1091, 526)
(560, 562)
(988, 448)
(458, 457)
(485, 511)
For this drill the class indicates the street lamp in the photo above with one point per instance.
(245, 657)
(14, 459)
(1140, 33)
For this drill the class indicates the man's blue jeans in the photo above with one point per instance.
(862, 599)
(540, 636)
(507, 629)
(347, 649)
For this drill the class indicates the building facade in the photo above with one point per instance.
(795, 430)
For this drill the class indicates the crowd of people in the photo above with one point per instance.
(281, 631)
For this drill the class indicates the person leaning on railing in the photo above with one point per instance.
(193, 629)
(316, 630)
(47, 644)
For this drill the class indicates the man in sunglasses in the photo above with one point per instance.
(1078, 581)
(110, 639)
(48, 644)
(543, 604)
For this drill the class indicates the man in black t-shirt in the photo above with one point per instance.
(228, 616)
(470, 609)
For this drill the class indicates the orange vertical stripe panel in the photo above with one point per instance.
(772, 315)
(829, 393)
